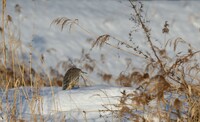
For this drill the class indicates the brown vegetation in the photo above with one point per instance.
(161, 77)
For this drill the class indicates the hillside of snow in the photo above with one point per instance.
(108, 17)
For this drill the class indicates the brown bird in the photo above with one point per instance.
(71, 78)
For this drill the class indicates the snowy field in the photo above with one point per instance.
(98, 17)
(83, 104)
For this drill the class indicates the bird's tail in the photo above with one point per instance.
(65, 85)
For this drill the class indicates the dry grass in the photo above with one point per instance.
(101, 40)
(166, 77)
(16, 72)
(63, 21)
(162, 77)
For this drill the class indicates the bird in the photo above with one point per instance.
(71, 78)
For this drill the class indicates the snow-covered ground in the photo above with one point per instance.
(99, 17)
(74, 105)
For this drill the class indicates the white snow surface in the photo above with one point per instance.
(68, 105)
(99, 17)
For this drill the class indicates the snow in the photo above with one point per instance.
(99, 17)
(72, 103)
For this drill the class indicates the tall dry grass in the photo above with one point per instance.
(17, 74)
